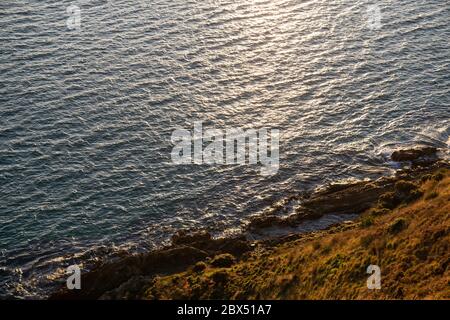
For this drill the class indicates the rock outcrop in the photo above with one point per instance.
(336, 199)
(415, 155)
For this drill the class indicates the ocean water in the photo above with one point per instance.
(86, 115)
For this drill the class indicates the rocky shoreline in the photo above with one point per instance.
(132, 273)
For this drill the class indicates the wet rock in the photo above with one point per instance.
(183, 237)
(413, 154)
(204, 241)
(264, 221)
(354, 198)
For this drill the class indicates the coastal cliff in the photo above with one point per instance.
(403, 227)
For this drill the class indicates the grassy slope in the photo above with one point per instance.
(410, 243)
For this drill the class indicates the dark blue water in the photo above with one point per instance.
(86, 115)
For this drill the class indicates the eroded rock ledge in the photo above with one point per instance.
(352, 197)
(417, 155)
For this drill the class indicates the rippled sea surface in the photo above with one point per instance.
(86, 115)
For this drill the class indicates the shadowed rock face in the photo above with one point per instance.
(413, 154)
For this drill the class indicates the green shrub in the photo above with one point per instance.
(375, 212)
(225, 260)
(220, 276)
(397, 226)
(431, 195)
(388, 200)
(405, 187)
(367, 221)
(199, 267)
(405, 192)
(421, 253)
(326, 249)
(414, 195)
